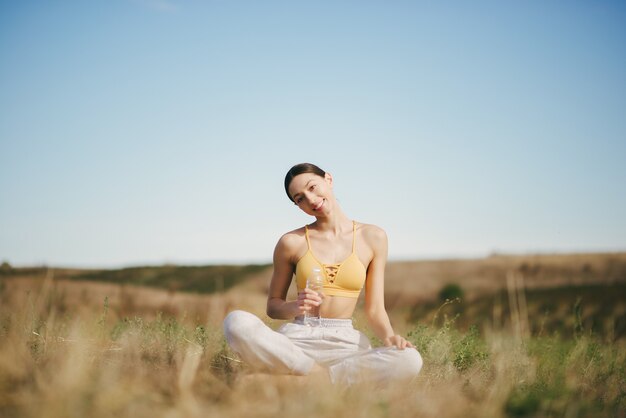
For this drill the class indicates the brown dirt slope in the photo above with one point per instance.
(411, 282)
(407, 283)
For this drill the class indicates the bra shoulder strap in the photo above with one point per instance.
(353, 235)
(306, 234)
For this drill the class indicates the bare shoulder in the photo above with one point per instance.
(372, 234)
(374, 239)
(290, 243)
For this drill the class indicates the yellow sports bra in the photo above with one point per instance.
(342, 279)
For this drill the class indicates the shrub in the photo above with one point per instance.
(469, 349)
(450, 291)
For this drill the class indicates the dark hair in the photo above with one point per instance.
(301, 169)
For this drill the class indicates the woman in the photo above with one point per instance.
(351, 256)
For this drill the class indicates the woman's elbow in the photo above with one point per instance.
(272, 310)
(271, 313)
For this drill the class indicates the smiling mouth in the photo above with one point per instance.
(318, 207)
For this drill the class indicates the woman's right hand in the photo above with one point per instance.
(308, 298)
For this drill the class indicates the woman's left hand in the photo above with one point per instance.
(399, 341)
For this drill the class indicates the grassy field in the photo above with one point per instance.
(76, 348)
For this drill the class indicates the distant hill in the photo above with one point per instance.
(562, 292)
(406, 282)
(198, 279)
(411, 282)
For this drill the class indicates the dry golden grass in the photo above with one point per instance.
(84, 349)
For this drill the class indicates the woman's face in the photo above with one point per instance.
(312, 193)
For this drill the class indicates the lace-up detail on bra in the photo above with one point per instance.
(331, 271)
(340, 279)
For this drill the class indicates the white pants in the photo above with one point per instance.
(295, 348)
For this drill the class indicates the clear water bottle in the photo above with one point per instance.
(315, 282)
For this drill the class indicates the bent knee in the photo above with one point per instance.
(238, 323)
(414, 362)
(409, 362)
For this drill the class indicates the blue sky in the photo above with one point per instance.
(147, 131)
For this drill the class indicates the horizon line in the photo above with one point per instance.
(268, 262)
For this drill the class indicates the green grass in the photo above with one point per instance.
(579, 375)
(546, 375)
(98, 366)
(63, 361)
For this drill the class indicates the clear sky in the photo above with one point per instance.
(160, 131)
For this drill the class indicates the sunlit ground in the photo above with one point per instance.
(99, 358)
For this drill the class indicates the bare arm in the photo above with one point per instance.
(375, 311)
(277, 305)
